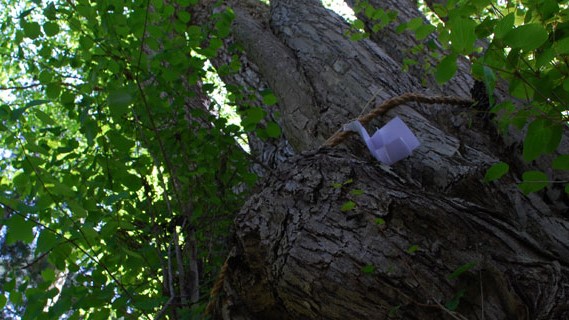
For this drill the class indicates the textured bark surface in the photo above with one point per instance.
(298, 255)
(299, 251)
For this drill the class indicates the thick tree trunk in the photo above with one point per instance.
(301, 253)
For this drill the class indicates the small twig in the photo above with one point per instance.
(181, 272)
(164, 308)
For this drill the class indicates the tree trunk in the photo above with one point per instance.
(333, 234)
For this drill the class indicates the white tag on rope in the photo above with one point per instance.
(391, 143)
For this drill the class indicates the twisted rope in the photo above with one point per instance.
(216, 289)
(387, 105)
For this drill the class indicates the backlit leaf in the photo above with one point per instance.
(32, 30)
(19, 229)
(50, 28)
(46, 241)
(462, 34)
(504, 26)
(48, 275)
(446, 69)
(44, 117)
(527, 37)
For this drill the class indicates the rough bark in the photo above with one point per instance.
(299, 256)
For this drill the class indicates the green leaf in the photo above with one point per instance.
(460, 270)
(462, 35)
(44, 117)
(561, 46)
(504, 26)
(527, 37)
(415, 23)
(269, 99)
(60, 189)
(91, 129)
(183, 16)
(424, 31)
(446, 69)
(547, 8)
(25, 13)
(34, 103)
(561, 162)
(489, 83)
(347, 206)
(356, 192)
(252, 117)
(46, 241)
(52, 90)
(119, 101)
(50, 11)
(533, 181)
(412, 249)
(555, 132)
(50, 28)
(520, 89)
(32, 30)
(368, 269)
(2, 301)
(119, 141)
(273, 130)
(48, 275)
(452, 305)
(496, 171)
(379, 221)
(486, 27)
(19, 229)
(542, 137)
(76, 209)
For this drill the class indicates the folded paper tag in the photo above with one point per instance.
(391, 143)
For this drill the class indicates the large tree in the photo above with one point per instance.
(333, 234)
(138, 190)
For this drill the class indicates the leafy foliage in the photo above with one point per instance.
(117, 179)
(523, 43)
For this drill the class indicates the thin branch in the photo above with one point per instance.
(181, 271)
(20, 87)
(164, 309)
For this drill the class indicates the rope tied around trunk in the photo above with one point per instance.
(389, 104)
